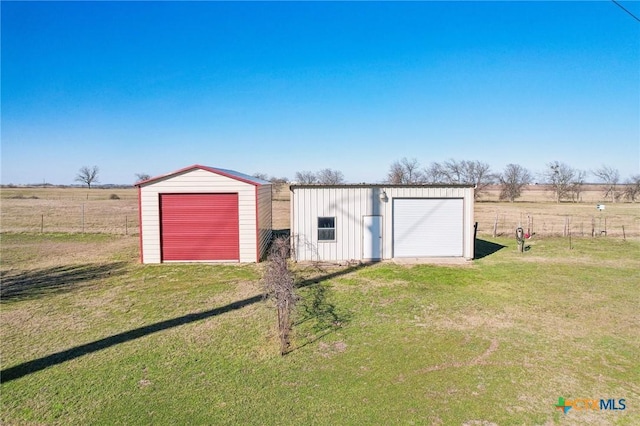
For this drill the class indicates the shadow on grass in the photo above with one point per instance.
(486, 248)
(41, 282)
(29, 367)
(321, 316)
(315, 308)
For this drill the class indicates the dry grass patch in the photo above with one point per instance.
(21, 251)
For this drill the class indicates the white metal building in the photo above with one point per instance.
(373, 222)
(204, 214)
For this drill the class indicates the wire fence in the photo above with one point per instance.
(45, 216)
(596, 225)
(120, 216)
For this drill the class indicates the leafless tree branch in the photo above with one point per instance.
(88, 175)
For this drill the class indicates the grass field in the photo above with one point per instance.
(91, 336)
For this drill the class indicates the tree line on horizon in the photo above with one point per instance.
(566, 182)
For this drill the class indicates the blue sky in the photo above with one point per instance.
(279, 87)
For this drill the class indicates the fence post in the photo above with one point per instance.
(42, 224)
(83, 217)
(495, 226)
(570, 246)
(126, 225)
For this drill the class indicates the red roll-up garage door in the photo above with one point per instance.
(199, 227)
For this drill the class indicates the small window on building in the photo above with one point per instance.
(326, 228)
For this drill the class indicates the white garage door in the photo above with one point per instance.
(427, 227)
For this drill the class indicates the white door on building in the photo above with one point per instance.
(372, 237)
(427, 227)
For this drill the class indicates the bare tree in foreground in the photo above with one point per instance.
(405, 172)
(610, 177)
(279, 286)
(88, 175)
(512, 180)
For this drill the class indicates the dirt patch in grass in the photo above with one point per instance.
(328, 350)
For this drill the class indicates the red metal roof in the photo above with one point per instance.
(223, 172)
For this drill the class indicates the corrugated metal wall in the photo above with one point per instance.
(200, 181)
(348, 205)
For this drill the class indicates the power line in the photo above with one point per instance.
(623, 8)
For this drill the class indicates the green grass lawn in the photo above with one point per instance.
(101, 339)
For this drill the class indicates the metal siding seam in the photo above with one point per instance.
(299, 225)
(257, 226)
(305, 227)
(159, 221)
(140, 223)
(292, 228)
(314, 224)
(350, 248)
(299, 196)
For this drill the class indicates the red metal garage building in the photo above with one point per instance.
(204, 214)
